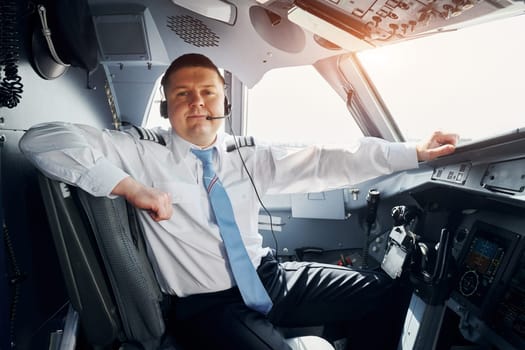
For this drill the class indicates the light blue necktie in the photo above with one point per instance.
(252, 290)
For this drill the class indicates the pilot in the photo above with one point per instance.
(198, 203)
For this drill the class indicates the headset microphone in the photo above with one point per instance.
(227, 111)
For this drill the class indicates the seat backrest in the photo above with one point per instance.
(106, 270)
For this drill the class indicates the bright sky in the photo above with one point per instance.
(296, 104)
(469, 81)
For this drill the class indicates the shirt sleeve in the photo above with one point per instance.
(322, 168)
(80, 155)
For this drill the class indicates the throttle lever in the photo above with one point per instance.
(441, 257)
(372, 202)
(445, 245)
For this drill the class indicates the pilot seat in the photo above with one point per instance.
(108, 277)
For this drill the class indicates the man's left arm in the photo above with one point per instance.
(321, 168)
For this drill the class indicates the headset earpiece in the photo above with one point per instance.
(164, 109)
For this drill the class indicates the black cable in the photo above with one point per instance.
(253, 185)
(11, 87)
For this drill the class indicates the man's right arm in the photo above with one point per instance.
(80, 155)
(93, 160)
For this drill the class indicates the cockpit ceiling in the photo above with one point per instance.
(273, 33)
(361, 24)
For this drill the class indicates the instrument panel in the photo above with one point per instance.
(485, 256)
(491, 279)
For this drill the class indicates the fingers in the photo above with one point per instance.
(439, 144)
(162, 214)
(441, 151)
(163, 210)
(445, 138)
(159, 216)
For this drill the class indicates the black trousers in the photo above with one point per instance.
(365, 304)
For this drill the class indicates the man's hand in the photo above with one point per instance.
(439, 144)
(157, 203)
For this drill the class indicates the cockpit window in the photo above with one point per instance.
(468, 81)
(296, 104)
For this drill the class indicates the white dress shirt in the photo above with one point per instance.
(187, 251)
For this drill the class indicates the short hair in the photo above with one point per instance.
(189, 60)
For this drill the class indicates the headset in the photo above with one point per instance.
(227, 109)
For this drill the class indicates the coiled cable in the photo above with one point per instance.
(11, 87)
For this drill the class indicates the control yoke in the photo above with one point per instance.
(401, 240)
(405, 250)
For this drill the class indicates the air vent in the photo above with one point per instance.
(193, 31)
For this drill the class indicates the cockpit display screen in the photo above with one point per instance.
(481, 257)
(481, 264)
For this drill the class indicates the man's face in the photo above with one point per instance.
(194, 93)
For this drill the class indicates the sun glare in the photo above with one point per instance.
(468, 81)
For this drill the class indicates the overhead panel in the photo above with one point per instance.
(380, 22)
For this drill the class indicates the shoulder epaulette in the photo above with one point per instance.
(145, 134)
(240, 141)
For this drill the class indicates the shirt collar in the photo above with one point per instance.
(181, 147)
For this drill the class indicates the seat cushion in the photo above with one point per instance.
(309, 343)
